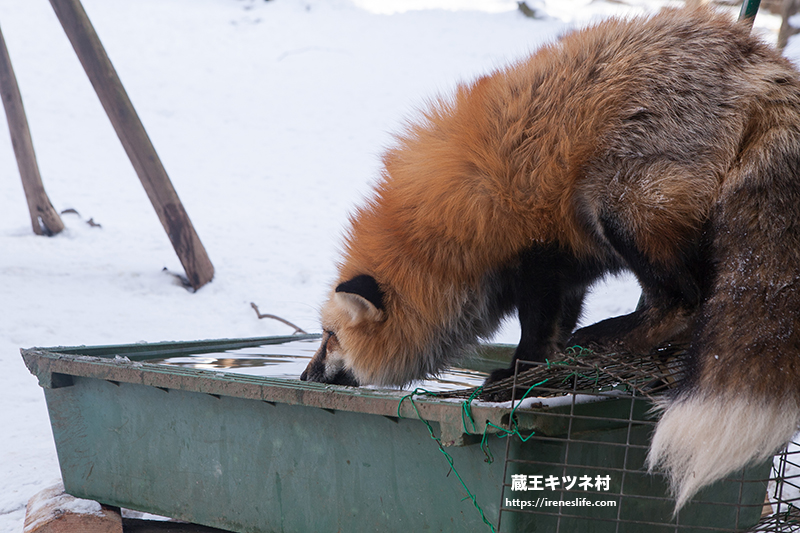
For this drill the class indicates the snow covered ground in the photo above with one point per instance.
(270, 118)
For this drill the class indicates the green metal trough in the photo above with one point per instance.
(258, 454)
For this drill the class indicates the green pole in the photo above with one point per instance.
(749, 10)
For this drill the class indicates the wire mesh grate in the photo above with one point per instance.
(583, 469)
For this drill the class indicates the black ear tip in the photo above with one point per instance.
(364, 286)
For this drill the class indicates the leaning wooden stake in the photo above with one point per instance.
(131, 132)
(44, 218)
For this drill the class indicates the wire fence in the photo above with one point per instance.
(594, 419)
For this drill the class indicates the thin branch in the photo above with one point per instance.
(297, 329)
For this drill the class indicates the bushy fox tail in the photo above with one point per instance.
(740, 402)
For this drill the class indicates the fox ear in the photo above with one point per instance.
(362, 298)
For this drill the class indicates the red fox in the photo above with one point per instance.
(668, 146)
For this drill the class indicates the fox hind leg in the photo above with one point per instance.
(672, 289)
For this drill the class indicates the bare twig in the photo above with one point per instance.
(297, 329)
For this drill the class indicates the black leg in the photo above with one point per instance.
(571, 309)
(548, 288)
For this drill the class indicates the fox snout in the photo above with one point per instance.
(327, 366)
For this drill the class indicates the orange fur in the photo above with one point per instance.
(498, 166)
(669, 146)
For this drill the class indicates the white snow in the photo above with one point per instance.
(553, 401)
(270, 118)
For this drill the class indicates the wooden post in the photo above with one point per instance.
(54, 511)
(44, 219)
(135, 140)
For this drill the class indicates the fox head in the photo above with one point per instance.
(352, 314)
(376, 333)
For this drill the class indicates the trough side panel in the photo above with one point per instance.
(255, 466)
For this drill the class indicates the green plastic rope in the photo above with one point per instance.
(447, 456)
(578, 351)
(466, 416)
(512, 421)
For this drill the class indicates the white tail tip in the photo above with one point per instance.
(702, 439)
